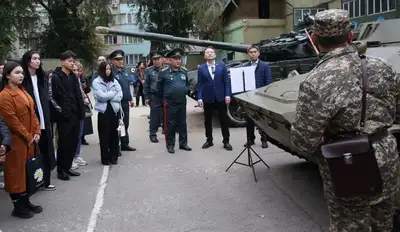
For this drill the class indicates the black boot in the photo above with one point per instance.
(28, 204)
(20, 210)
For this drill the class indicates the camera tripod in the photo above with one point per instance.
(249, 158)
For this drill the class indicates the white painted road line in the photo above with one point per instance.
(99, 200)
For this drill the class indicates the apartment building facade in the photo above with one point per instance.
(361, 11)
(124, 18)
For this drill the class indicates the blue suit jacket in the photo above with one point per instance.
(263, 74)
(210, 90)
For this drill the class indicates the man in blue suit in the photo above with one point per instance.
(214, 91)
(263, 77)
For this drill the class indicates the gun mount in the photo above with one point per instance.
(292, 45)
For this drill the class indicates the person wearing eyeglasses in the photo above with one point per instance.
(214, 92)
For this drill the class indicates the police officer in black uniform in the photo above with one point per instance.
(119, 71)
(152, 96)
(173, 84)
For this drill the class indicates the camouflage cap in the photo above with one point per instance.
(329, 23)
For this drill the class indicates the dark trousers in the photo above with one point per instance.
(175, 118)
(44, 151)
(139, 94)
(250, 129)
(223, 120)
(107, 125)
(68, 137)
(156, 109)
(125, 108)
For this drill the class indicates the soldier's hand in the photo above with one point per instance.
(131, 103)
(200, 102)
(147, 102)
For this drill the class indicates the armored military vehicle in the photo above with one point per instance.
(285, 53)
(273, 107)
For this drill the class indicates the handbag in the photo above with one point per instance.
(121, 126)
(351, 161)
(88, 110)
(34, 173)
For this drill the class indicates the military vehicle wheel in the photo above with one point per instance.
(235, 115)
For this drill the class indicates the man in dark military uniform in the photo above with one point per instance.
(152, 95)
(165, 60)
(118, 69)
(330, 105)
(173, 84)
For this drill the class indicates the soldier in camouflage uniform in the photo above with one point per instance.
(329, 103)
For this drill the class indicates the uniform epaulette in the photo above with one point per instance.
(183, 68)
(165, 68)
(149, 67)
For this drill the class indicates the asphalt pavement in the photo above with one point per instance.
(151, 190)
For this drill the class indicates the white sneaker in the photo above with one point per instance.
(80, 162)
(1, 185)
(74, 165)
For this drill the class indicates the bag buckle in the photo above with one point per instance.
(348, 158)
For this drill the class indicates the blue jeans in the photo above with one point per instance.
(78, 148)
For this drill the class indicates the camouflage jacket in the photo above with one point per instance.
(329, 101)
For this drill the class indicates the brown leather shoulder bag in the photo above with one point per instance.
(352, 164)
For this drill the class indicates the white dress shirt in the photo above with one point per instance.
(37, 100)
(211, 69)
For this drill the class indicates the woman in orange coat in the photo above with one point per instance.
(18, 112)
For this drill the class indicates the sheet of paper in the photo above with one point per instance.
(237, 83)
(236, 75)
(250, 78)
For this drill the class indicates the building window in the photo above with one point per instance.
(359, 8)
(263, 9)
(298, 14)
(132, 59)
(31, 43)
(132, 40)
(130, 18)
(110, 39)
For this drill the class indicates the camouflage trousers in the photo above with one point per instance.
(365, 214)
(397, 198)
(345, 217)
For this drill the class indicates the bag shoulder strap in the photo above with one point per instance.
(364, 84)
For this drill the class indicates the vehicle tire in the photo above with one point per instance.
(235, 115)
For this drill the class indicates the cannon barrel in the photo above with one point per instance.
(172, 39)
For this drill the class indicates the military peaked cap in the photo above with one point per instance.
(330, 23)
(156, 54)
(175, 53)
(116, 54)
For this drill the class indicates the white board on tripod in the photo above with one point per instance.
(236, 75)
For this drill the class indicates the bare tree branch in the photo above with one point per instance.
(43, 5)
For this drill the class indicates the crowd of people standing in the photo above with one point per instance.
(49, 114)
